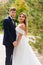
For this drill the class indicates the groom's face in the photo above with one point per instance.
(12, 13)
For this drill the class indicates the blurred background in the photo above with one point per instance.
(34, 11)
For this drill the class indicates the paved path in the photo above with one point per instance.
(40, 57)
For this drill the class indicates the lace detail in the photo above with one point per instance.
(23, 51)
(19, 30)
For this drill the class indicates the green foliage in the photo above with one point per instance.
(34, 10)
(21, 6)
(38, 44)
(4, 8)
(35, 16)
(36, 22)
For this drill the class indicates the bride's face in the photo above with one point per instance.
(21, 18)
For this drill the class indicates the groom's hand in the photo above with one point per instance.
(15, 43)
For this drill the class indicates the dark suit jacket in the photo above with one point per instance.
(9, 32)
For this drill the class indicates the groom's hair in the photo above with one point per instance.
(12, 9)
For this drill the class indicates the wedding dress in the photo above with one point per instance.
(23, 54)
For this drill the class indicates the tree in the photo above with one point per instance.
(21, 6)
(35, 16)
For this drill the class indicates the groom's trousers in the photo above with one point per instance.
(9, 54)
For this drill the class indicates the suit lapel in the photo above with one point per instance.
(13, 24)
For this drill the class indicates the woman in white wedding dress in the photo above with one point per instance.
(23, 53)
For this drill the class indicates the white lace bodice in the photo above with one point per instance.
(19, 30)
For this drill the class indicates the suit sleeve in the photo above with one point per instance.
(7, 27)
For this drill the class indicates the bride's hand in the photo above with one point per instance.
(15, 43)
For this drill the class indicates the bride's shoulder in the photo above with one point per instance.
(22, 26)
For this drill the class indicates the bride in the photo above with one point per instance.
(23, 53)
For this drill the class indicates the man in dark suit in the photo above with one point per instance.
(9, 35)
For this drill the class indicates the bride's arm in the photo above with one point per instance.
(20, 35)
(15, 43)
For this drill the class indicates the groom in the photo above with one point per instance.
(9, 35)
